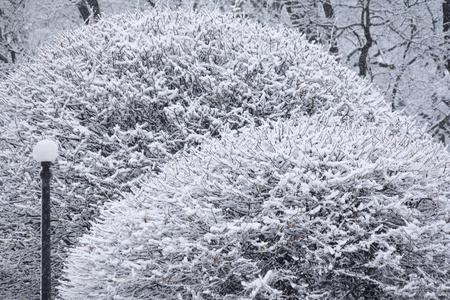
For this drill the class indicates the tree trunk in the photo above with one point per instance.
(365, 23)
(89, 10)
(329, 14)
(446, 29)
(3, 59)
(13, 55)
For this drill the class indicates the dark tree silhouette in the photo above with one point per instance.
(88, 9)
(446, 24)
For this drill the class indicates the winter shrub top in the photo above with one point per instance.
(312, 208)
(123, 95)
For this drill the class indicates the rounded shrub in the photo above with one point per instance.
(311, 208)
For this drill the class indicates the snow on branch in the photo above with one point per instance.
(308, 208)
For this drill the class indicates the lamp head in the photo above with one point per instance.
(45, 150)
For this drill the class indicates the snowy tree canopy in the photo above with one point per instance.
(310, 208)
(122, 95)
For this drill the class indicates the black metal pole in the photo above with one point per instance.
(46, 288)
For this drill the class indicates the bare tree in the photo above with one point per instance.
(11, 30)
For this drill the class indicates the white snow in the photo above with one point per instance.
(45, 150)
(295, 197)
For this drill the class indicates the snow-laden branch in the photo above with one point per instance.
(308, 208)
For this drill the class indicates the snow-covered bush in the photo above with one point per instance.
(124, 94)
(311, 208)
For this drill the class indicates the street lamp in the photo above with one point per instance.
(45, 152)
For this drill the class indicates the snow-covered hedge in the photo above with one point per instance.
(311, 208)
(123, 95)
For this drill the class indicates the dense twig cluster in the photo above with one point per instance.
(311, 208)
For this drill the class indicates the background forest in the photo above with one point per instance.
(400, 46)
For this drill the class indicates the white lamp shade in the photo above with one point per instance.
(45, 150)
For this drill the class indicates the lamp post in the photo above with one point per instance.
(45, 152)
